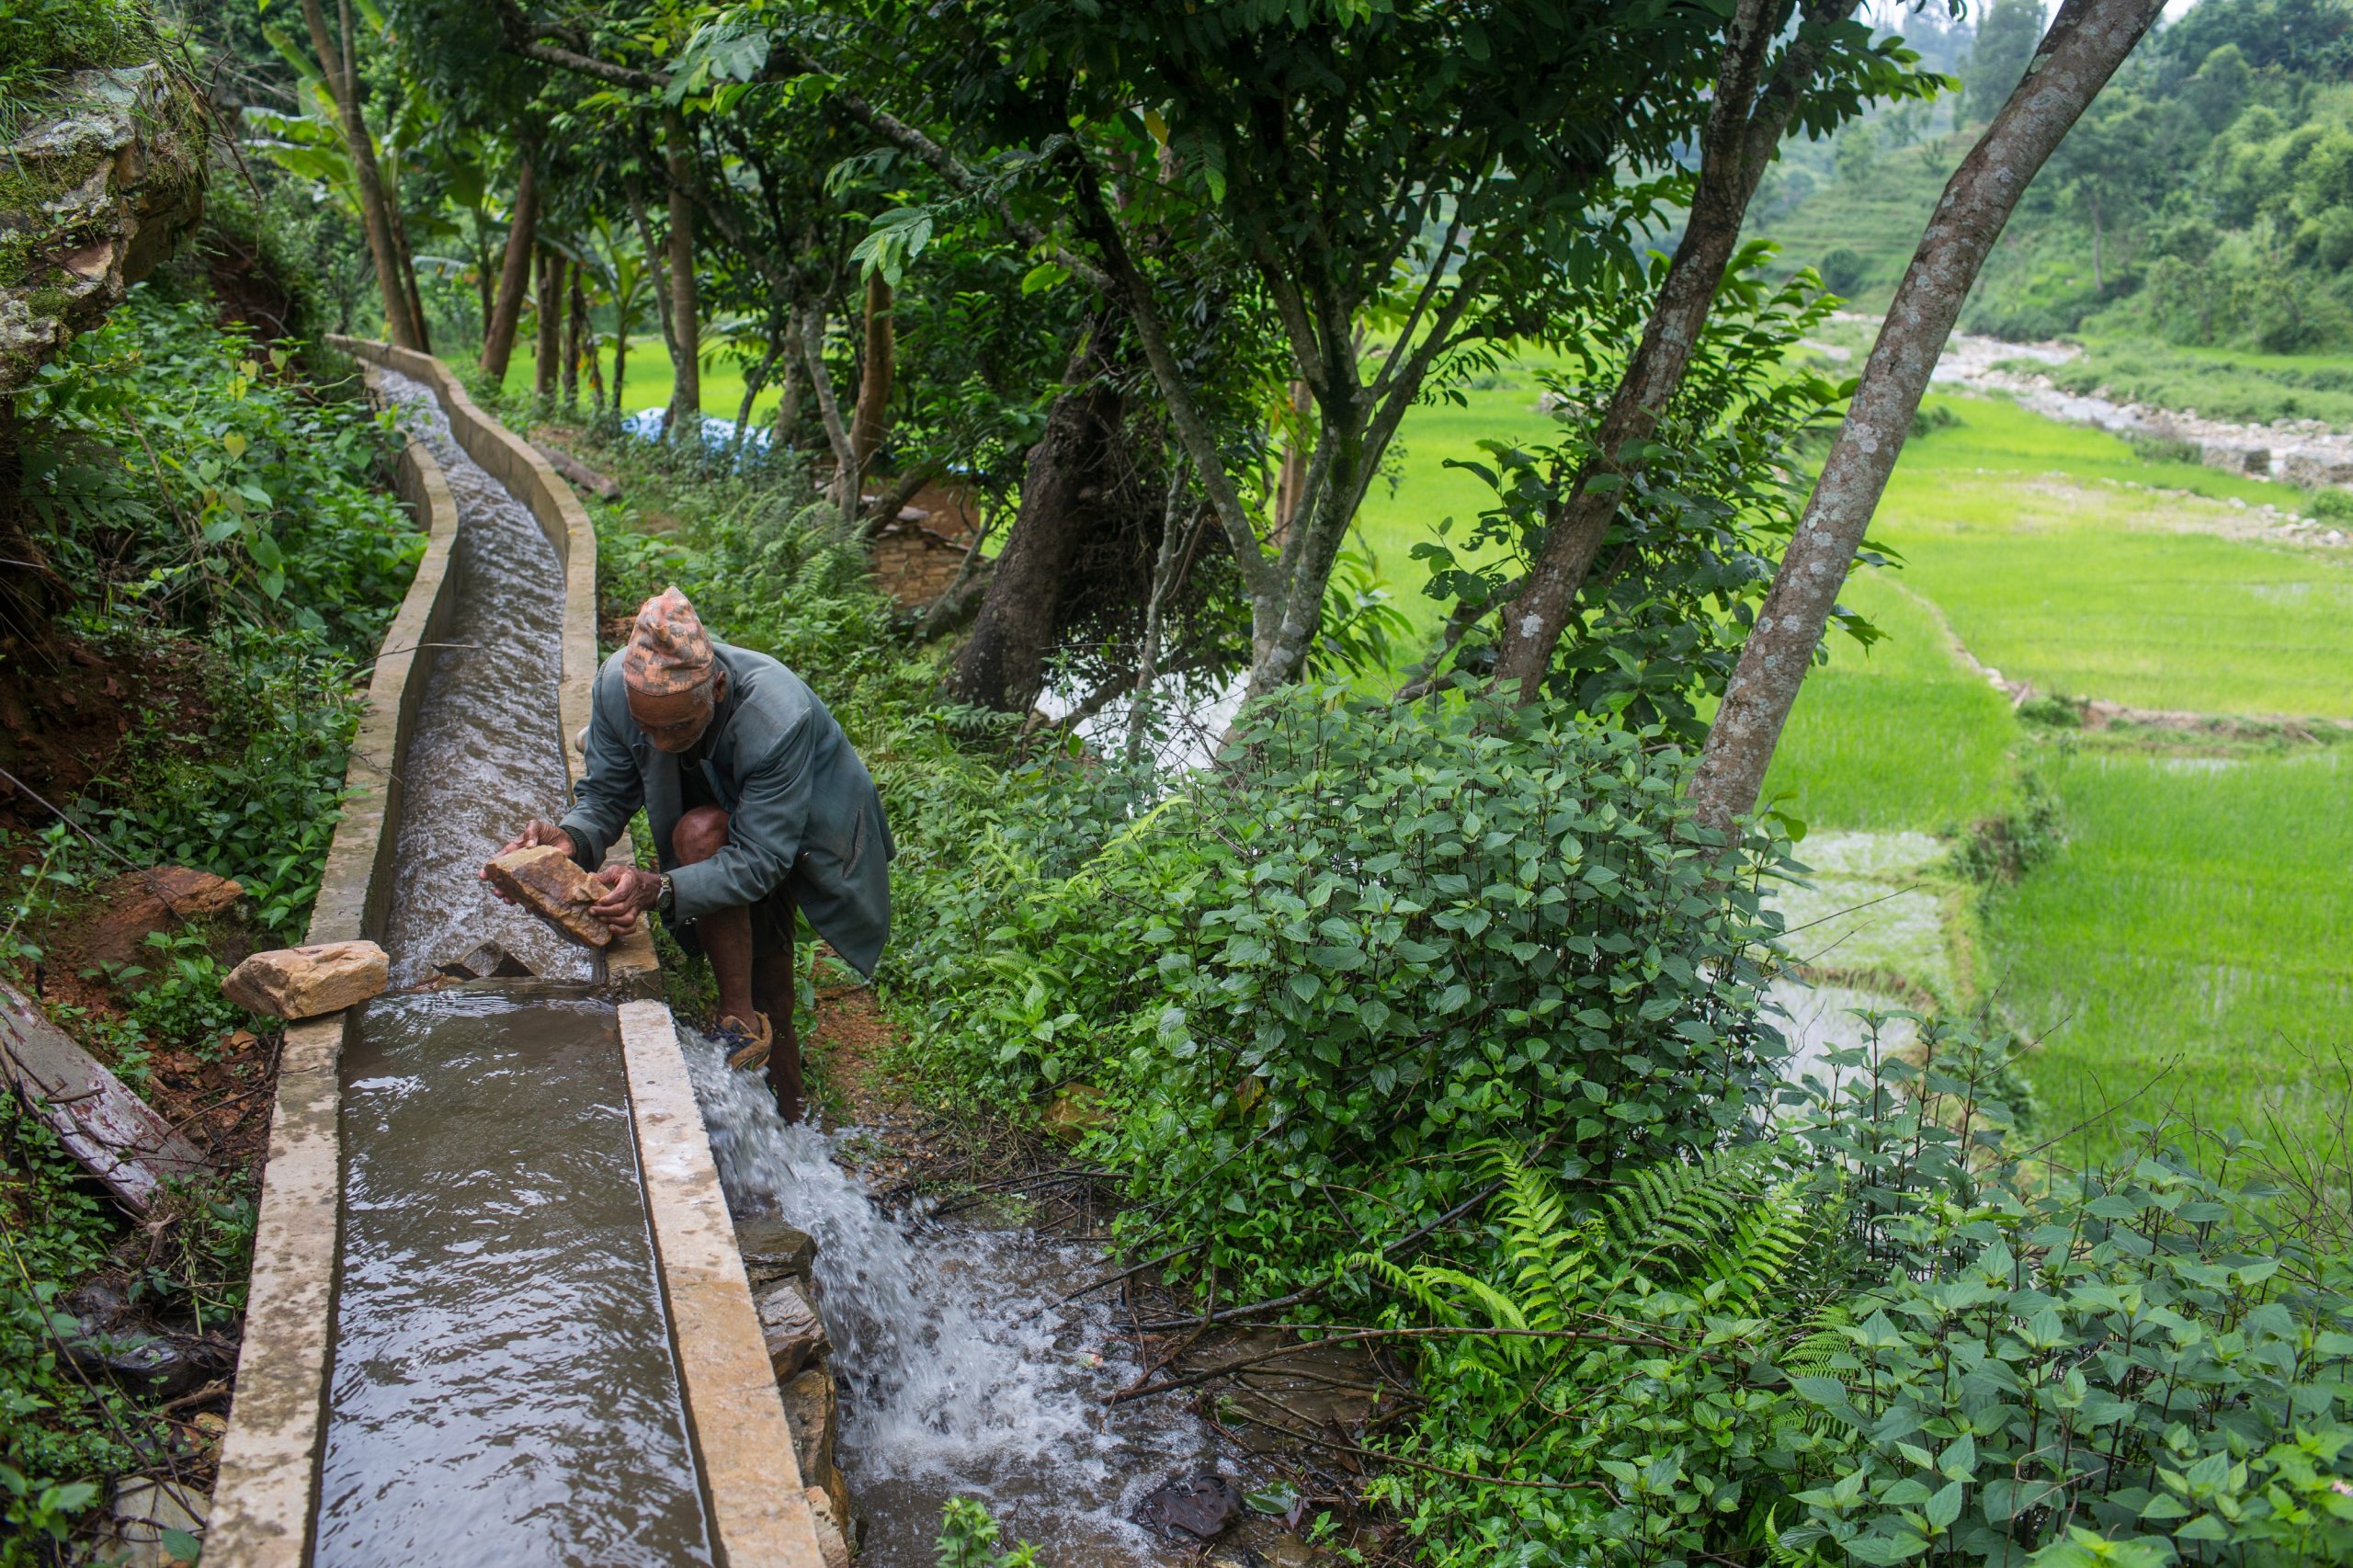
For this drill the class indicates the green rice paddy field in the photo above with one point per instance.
(2188, 940)
(2185, 942)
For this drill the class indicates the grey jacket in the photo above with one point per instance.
(801, 805)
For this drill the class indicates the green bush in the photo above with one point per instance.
(56, 1427)
(1375, 937)
(183, 476)
(1893, 1338)
(1843, 271)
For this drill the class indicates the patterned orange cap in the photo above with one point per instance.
(668, 651)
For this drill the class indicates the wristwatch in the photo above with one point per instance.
(666, 899)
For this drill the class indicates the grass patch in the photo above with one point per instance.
(1896, 736)
(2220, 384)
(1395, 517)
(2194, 920)
(2109, 591)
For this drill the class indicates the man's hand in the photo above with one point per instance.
(628, 889)
(537, 834)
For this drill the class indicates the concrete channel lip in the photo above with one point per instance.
(266, 1495)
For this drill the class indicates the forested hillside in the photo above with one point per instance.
(2205, 200)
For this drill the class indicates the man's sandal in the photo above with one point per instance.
(747, 1044)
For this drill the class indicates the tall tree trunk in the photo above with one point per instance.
(811, 335)
(2087, 40)
(788, 405)
(400, 228)
(657, 265)
(869, 422)
(1002, 664)
(756, 383)
(1291, 481)
(621, 369)
(1176, 550)
(575, 317)
(343, 86)
(515, 270)
(485, 292)
(1743, 128)
(551, 323)
(685, 355)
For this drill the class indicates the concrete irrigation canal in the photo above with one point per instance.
(498, 1314)
(539, 1280)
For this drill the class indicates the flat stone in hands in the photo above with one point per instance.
(547, 881)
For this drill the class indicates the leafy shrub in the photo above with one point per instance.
(2003, 848)
(255, 794)
(2165, 449)
(967, 1539)
(2331, 505)
(56, 1427)
(1843, 271)
(185, 477)
(1893, 1338)
(1372, 939)
(1690, 549)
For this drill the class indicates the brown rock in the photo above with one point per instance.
(773, 1250)
(549, 884)
(487, 962)
(789, 1325)
(302, 983)
(160, 899)
(1076, 1112)
(832, 1544)
(810, 1408)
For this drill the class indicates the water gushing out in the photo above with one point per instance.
(955, 1379)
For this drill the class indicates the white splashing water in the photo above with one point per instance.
(958, 1376)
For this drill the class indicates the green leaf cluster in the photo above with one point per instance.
(1374, 938)
(1887, 1339)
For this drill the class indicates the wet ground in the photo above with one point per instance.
(961, 1376)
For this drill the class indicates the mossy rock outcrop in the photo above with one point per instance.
(95, 188)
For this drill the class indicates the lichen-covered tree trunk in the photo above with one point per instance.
(2086, 43)
(1743, 128)
(686, 328)
(515, 270)
(869, 421)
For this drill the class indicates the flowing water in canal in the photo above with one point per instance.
(502, 1386)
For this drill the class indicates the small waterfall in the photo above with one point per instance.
(958, 1376)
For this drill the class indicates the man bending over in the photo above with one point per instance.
(758, 806)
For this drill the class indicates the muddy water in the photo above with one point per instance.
(504, 1391)
(502, 1383)
(957, 1378)
(486, 755)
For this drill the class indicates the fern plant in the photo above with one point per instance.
(1611, 1389)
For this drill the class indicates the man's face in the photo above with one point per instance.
(675, 722)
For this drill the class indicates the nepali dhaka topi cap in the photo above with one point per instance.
(668, 651)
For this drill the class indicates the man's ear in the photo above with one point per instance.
(719, 686)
